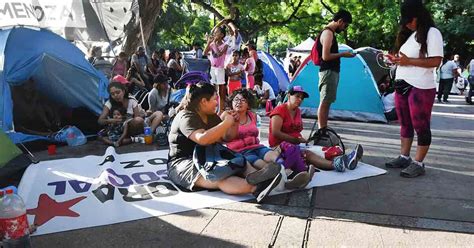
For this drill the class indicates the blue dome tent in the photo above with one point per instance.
(273, 72)
(357, 98)
(57, 67)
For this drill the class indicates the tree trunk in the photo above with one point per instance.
(149, 11)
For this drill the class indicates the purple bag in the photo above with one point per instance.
(192, 77)
(292, 157)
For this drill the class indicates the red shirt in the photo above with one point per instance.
(290, 126)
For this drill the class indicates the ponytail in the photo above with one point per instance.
(194, 94)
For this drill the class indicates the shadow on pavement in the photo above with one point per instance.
(151, 232)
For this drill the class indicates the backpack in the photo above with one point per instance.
(331, 138)
(459, 82)
(315, 56)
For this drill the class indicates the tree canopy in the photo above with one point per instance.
(285, 23)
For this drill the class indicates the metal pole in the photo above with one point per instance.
(143, 36)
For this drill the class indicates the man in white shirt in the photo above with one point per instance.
(264, 91)
(448, 71)
(470, 78)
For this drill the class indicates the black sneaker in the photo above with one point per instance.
(399, 162)
(446, 101)
(264, 188)
(269, 172)
(299, 181)
(359, 151)
(414, 170)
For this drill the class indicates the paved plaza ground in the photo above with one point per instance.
(435, 210)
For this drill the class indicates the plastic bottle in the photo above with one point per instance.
(148, 136)
(268, 107)
(259, 124)
(15, 228)
(9, 187)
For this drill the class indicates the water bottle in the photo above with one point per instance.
(15, 229)
(15, 191)
(148, 136)
(259, 124)
(268, 107)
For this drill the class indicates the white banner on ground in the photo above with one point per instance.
(333, 177)
(76, 193)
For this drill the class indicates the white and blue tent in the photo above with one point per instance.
(57, 67)
(273, 72)
(357, 97)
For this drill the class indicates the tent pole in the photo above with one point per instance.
(143, 37)
(31, 156)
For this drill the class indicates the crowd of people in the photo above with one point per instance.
(219, 112)
(139, 75)
(453, 73)
(293, 65)
(218, 115)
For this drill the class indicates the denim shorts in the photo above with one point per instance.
(255, 154)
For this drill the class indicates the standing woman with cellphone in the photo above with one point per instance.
(419, 49)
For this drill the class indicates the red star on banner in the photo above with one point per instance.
(48, 208)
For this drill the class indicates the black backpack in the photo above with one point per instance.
(327, 137)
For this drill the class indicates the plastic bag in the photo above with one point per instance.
(71, 135)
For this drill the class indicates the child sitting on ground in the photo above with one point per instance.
(264, 91)
(116, 133)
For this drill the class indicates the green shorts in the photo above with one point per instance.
(328, 81)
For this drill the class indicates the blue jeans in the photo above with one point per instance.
(255, 154)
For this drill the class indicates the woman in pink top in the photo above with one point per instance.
(248, 144)
(249, 68)
(247, 141)
(120, 65)
(217, 49)
(234, 71)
